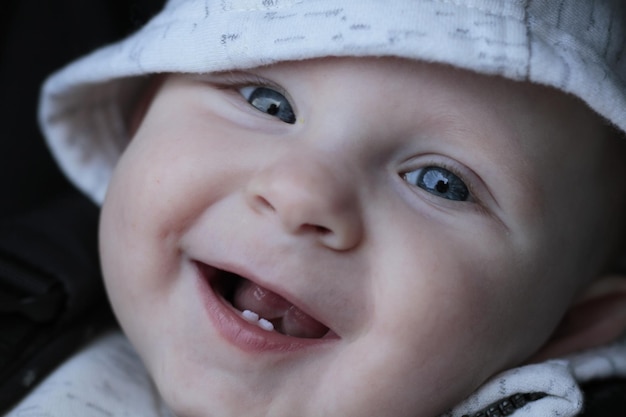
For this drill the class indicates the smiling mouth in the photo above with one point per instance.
(261, 307)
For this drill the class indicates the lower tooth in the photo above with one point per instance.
(265, 325)
(250, 316)
(253, 317)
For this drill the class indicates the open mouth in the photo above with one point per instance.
(262, 307)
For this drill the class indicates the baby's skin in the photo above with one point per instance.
(351, 237)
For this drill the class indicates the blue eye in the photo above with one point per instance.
(440, 182)
(270, 101)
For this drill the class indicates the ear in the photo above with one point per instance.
(598, 318)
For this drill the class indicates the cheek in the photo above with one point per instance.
(138, 244)
(433, 332)
(165, 179)
(460, 291)
(124, 239)
(138, 229)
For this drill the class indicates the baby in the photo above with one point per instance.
(356, 208)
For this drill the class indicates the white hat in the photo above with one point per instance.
(576, 46)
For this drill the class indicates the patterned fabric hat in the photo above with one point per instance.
(576, 46)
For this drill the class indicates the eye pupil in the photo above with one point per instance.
(273, 109)
(442, 186)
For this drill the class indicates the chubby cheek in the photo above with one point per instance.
(446, 334)
(426, 350)
(130, 222)
(161, 185)
(123, 254)
(137, 244)
(450, 313)
(428, 345)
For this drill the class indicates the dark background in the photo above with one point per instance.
(36, 38)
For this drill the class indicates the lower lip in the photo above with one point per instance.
(241, 333)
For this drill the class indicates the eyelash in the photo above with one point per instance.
(234, 82)
(229, 80)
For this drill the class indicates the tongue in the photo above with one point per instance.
(286, 318)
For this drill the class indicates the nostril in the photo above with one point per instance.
(319, 229)
(316, 229)
(262, 202)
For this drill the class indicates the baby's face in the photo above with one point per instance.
(407, 237)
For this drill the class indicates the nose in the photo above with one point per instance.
(311, 198)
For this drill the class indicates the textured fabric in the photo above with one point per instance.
(107, 378)
(573, 45)
(560, 379)
(104, 379)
